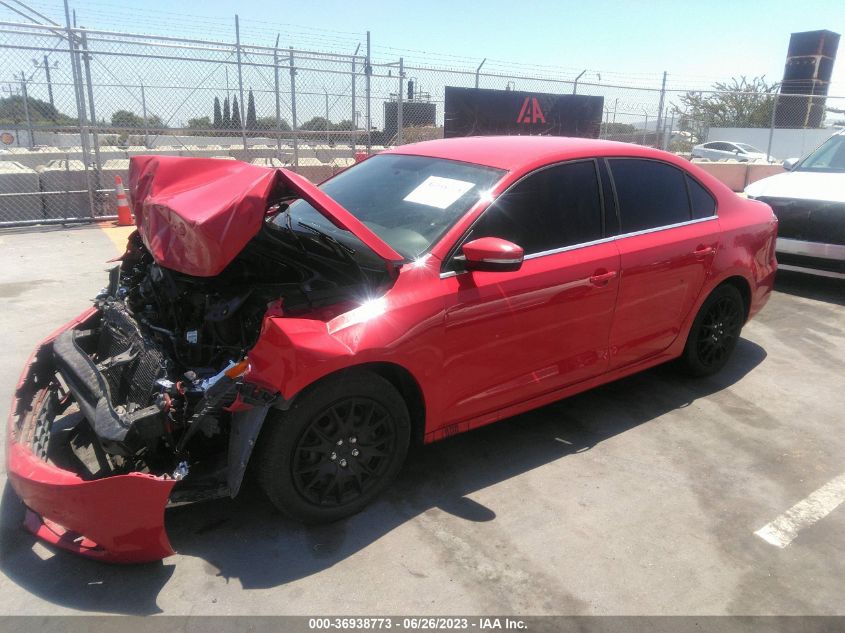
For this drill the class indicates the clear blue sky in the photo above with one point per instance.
(696, 42)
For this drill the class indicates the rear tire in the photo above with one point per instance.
(715, 332)
(337, 448)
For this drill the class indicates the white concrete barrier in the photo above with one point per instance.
(19, 179)
(65, 189)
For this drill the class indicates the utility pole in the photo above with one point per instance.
(46, 66)
(26, 109)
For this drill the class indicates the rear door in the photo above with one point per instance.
(668, 238)
(511, 336)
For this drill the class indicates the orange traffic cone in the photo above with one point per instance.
(124, 215)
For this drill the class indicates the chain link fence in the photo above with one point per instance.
(77, 104)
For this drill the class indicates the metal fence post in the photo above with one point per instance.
(772, 129)
(278, 97)
(354, 114)
(400, 137)
(328, 141)
(144, 116)
(242, 109)
(79, 95)
(368, 71)
(645, 127)
(30, 141)
(86, 58)
(293, 109)
(660, 108)
(478, 71)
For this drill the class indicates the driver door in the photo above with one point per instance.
(512, 336)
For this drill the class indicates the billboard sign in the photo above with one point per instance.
(483, 112)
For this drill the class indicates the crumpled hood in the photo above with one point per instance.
(196, 214)
(805, 185)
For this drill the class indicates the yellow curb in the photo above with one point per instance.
(117, 234)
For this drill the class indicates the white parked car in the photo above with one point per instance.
(723, 150)
(809, 201)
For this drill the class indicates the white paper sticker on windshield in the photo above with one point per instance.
(439, 192)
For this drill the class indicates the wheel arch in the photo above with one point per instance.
(402, 380)
(741, 284)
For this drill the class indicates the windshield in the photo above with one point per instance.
(408, 201)
(829, 157)
(748, 148)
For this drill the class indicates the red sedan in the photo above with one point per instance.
(424, 292)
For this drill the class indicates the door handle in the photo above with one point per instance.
(703, 251)
(602, 279)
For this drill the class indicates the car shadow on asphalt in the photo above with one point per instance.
(245, 539)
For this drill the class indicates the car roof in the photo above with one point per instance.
(516, 153)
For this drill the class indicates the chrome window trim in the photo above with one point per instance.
(620, 236)
(608, 166)
(612, 238)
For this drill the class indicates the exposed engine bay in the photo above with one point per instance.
(150, 383)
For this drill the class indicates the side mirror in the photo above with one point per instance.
(789, 163)
(492, 254)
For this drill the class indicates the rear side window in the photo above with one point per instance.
(703, 204)
(650, 194)
(553, 208)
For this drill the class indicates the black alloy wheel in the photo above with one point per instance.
(344, 452)
(341, 443)
(715, 332)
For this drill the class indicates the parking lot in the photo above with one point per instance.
(640, 497)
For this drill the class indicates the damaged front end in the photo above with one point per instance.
(141, 401)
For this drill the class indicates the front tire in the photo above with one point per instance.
(338, 447)
(715, 332)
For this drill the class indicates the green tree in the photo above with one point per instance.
(12, 111)
(250, 111)
(269, 123)
(315, 124)
(236, 114)
(200, 123)
(227, 118)
(737, 103)
(125, 118)
(218, 115)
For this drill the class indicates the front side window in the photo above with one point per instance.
(557, 207)
(650, 194)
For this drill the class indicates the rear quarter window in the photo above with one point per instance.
(703, 204)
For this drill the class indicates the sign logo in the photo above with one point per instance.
(6, 138)
(530, 112)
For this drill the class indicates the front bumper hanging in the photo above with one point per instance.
(118, 518)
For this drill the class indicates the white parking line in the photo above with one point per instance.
(817, 505)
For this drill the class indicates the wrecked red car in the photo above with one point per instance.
(314, 333)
